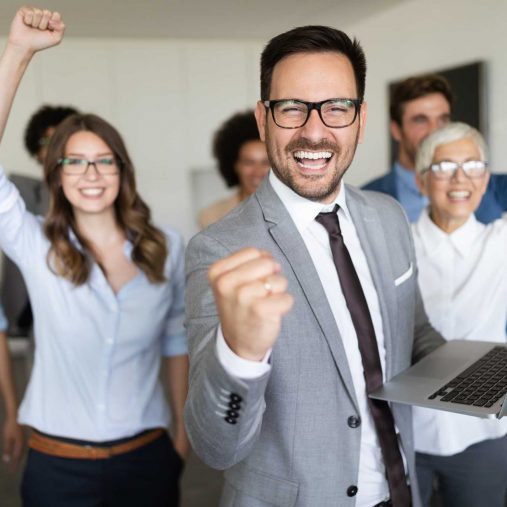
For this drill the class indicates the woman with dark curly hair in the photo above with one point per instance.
(106, 288)
(242, 162)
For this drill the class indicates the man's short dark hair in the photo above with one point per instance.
(312, 39)
(228, 140)
(414, 88)
(40, 121)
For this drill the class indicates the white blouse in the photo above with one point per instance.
(463, 282)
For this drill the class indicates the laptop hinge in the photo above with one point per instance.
(503, 408)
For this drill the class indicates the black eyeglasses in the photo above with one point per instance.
(446, 169)
(74, 166)
(293, 114)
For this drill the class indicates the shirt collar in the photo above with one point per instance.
(303, 211)
(406, 178)
(462, 239)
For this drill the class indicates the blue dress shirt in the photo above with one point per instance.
(3, 320)
(408, 192)
(98, 354)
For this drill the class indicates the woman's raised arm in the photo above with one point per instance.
(32, 30)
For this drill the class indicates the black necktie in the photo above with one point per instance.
(361, 318)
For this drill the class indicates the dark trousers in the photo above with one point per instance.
(476, 477)
(147, 477)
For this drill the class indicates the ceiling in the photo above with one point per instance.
(198, 18)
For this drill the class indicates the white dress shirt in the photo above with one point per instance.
(372, 483)
(463, 281)
(97, 355)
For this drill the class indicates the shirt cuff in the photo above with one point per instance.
(237, 366)
(175, 345)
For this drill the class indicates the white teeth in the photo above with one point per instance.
(92, 191)
(459, 194)
(313, 155)
(313, 167)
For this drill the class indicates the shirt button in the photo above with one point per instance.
(354, 421)
(352, 491)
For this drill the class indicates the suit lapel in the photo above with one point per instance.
(287, 237)
(373, 241)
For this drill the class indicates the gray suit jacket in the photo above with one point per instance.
(291, 444)
(14, 295)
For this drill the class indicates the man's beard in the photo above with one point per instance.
(341, 161)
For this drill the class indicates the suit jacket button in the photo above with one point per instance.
(235, 397)
(232, 414)
(354, 421)
(231, 420)
(234, 406)
(352, 491)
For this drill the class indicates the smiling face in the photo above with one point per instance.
(453, 201)
(90, 193)
(419, 119)
(311, 160)
(251, 166)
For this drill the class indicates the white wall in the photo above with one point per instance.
(424, 35)
(166, 97)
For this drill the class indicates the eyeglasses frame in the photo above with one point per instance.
(459, 166)
(89, 163)
(270, 104)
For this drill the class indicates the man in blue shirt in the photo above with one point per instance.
(419, 105)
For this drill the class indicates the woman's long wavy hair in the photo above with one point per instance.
(132, 214)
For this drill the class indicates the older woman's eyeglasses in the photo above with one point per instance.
(74, 166)
(446, 169)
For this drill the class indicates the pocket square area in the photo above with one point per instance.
(405, 276)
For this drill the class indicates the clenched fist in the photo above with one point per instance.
(34, 29)
(251, 298)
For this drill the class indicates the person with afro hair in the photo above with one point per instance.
(41, 126)
(242, 162)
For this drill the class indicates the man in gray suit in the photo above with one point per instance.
(303, 299)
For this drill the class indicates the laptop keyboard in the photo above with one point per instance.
(481, 384)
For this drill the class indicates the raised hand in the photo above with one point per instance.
(251, 298)
(34, 29)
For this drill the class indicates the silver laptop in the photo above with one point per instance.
(466, 377)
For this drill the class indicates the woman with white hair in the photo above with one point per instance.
(463, 282)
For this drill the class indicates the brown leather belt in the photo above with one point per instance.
(55, 447)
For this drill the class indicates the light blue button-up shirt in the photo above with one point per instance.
(97, 356)
(408, 193)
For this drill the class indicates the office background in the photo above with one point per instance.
(187, 66)
(167, 73)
